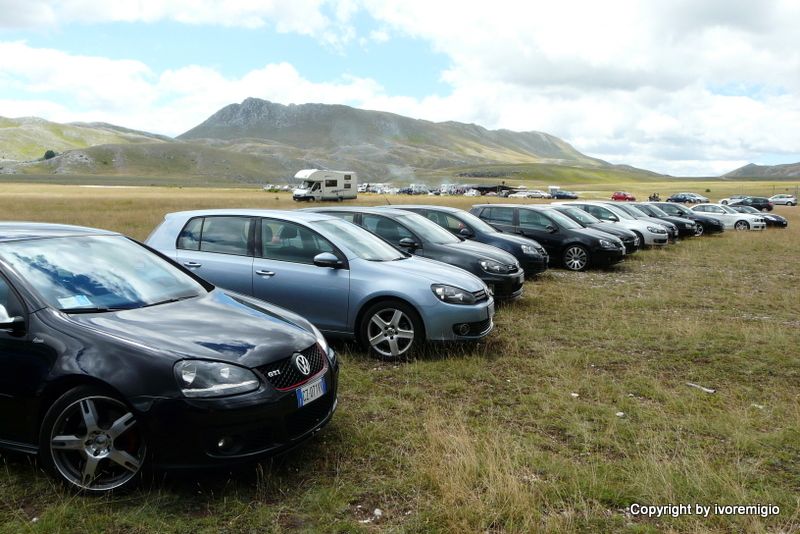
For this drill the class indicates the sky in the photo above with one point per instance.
(684, 87)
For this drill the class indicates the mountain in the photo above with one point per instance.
(378, 143)
(28, 138)
(788, 170)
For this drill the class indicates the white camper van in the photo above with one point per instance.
(326, 185)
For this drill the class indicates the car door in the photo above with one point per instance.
(501, 217)
(219, 249)
(284, 274)
(23, 367)
(537, 226)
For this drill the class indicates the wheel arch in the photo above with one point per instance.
(381, 298)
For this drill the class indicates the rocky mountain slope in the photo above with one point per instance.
(789, 170)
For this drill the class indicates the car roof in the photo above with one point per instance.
(19, 231)
(290, 215)
(436, 207)
(360, 209)
(527, 206)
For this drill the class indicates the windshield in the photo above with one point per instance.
(726, 209)
(747, 209)
(655, 210)
(681, 209)
(579, 215)
(633, 210)
(360, 242)
(97, 273)
(427, 230)
(622, 214)
(562, 220)
(476, 223)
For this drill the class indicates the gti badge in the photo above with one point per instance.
(302, 364)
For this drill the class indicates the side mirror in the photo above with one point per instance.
(326, 259)
(466, 232)
(613, 218)
(407, 242)
(551, 229)
(10, 324)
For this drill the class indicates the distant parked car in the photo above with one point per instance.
(530, 254)
(567, 242)
(564, 195)
(114, 359)
(705, 223)
(784, 200)
(732, 198)
(687, 198)
(622, 196)
(770, 218)
(628, 238)
(411, 232)
(472, 193)
(731, 218)
(759, 203)
(340, 277)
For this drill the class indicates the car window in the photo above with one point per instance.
(386, 228)
(9, 300)
(533, 220)
(189, 238)
(446, 221)
(498, 215)
(598, 212)
(226, 235)
(286, 241)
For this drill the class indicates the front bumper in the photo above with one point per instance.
(504, 286)
(657, 240)
(533, 264)
(186, 433)
(445, 322)
(631, 245)
(604, 256)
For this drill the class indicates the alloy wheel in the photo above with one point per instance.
(741, 225)
(698, 231)
(390, 333)
(575, 258)
(96, 444)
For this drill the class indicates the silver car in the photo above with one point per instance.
(337, 275)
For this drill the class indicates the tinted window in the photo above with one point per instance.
(189, 238)
(9, 300)
(600, 213)
(226, 235)
(498, 215)
(285, 241)
(386, 228)
(533, 220)
(446, 221)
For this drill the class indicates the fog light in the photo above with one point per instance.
(463, 329)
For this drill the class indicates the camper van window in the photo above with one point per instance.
(316, 186)
(348, 186)
(331, 183)
(346, 176)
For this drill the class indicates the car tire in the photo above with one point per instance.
(791, 204)
(642, 244)
(699, 230)
(741, 225)
(92, 442)
(575, 258)
(391, 330)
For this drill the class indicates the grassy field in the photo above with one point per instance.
(521, 432)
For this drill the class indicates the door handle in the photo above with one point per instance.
(265, 274)
(192, 264)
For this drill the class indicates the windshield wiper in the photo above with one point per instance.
(91, 310)
(168, 301)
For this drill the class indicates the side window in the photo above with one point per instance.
(331, 183)
(596, 211)
(348, 186)
(285, 241)
(226, 235)
(189, 238)
(386, 228)
(9, 299)
(533, 220)
(499, 215)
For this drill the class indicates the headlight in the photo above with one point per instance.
(491, 266)
(656, 230)
(529, 249)
(199, 378)
(452, 294)
(688, 225)
(605, 243)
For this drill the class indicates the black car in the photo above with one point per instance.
(759, 203)
(112, 357)
(567, 242)
(771, 219)
(687, 198)
(628, 238)
(706, 224)
(564, 195)
(531, 255)
(416, 234)
(686, 227)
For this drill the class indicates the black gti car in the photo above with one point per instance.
(416, 234)
(567, 242)
(564, 195)
(706, 224)
(686, 227)
(113, 357)
(775, 221)
(759, 203)
(531, 255)
(628, 238)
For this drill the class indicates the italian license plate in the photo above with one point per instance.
(310, 392)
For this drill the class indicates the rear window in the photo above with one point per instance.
(223, 235)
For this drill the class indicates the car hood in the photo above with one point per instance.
(597, 232)
(514, 239)
(431, 271)
(613, 229)
(486, 252)
(216, 326)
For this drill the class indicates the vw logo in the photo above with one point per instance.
(302, 364)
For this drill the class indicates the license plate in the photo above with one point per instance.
(310, 392)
